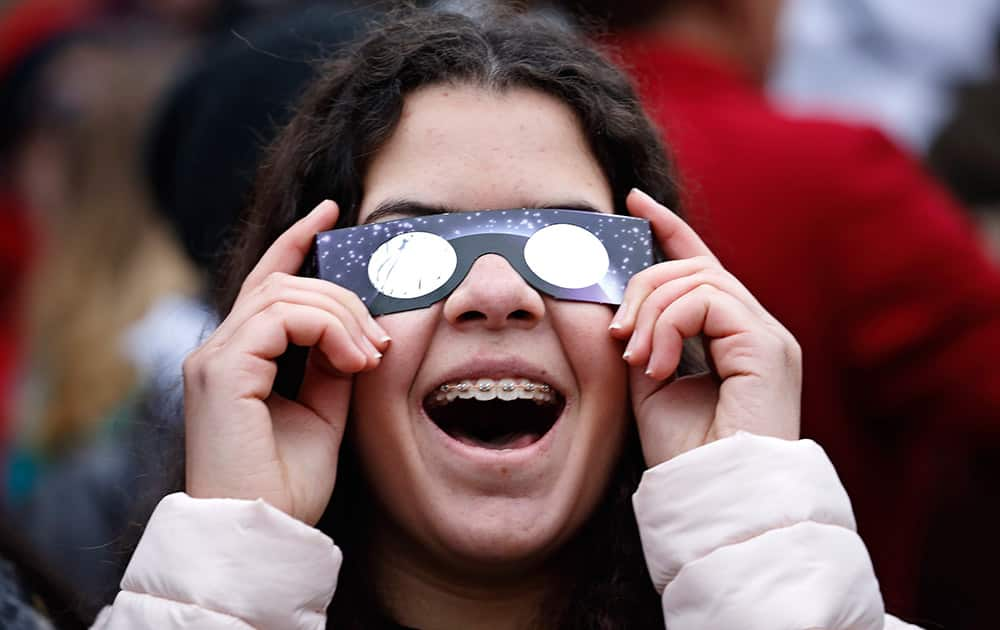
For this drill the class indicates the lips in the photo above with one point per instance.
(495, 412)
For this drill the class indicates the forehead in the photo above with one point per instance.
(470, 148)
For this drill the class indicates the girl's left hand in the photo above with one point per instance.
(757, 378)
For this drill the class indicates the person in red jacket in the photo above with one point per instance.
(847, 240)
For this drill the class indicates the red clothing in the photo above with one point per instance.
(16, 246)
(26, 25)
(868, 262)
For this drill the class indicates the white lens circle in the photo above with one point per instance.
(567, 256)
(411, 265)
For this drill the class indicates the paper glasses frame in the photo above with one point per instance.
(411, 263)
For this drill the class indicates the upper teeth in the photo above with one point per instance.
(489, 389)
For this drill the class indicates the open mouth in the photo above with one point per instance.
(499, 414)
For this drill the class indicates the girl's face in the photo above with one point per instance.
(492, 484)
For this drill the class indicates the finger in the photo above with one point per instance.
(640, 345)
(268, 333)
(298, 436)
(704, 310)
(649, 311)
(692, 271)
(642, 284)
(691, 400)
(289, 250)
(348, 299)
(676, 238)
(337, 301)
(308, 446)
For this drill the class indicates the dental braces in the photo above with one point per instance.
(486, 387)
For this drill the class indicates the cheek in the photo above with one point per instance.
(602, 379)
(593, 353)
(381, 395)
(380, 416)
(600, 371)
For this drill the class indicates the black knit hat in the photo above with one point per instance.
(205, 145)
(19, 97)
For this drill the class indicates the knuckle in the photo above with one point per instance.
(337, 299)
(660, 300)
(340, 311)
(334, 329)
(706, 262)
(200, 368)
(276, 311)
(702, 281)
(327, 288)
(247, 285)
(340, 292)
(706, 289)
(715, 275)
(273, 283)
(783, 348)
(247, 364)
(793, 351)
(192, 359)
(192, 365)
(354, 301)
(644, 281)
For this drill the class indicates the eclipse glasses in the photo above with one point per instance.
(412, 263)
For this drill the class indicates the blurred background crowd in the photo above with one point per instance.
(841, 156)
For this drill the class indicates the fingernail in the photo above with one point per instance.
(651, 200)
(321, 205)
(371, 348)
(649, 372)
(619, 317)
(643, 194)
(628, 350)
(383, 336)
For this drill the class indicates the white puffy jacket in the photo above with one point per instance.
(747, 533)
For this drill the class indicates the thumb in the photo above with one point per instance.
(673, 417)
(327, 393)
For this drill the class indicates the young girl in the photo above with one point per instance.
(476, 452)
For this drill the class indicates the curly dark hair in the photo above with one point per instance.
(615, 14)
(347, 114)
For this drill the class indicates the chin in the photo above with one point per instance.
(504, 537)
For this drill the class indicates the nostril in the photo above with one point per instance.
(471, 316)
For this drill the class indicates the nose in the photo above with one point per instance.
(494, 295)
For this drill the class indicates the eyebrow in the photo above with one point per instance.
(410, 208)
(404, 208)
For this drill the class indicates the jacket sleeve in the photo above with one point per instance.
(225, 563)
(756, 533)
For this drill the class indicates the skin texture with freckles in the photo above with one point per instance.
(466, 148)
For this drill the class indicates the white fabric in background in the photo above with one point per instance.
(891, 63)
(159, 342)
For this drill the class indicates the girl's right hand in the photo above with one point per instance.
(242, 440)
